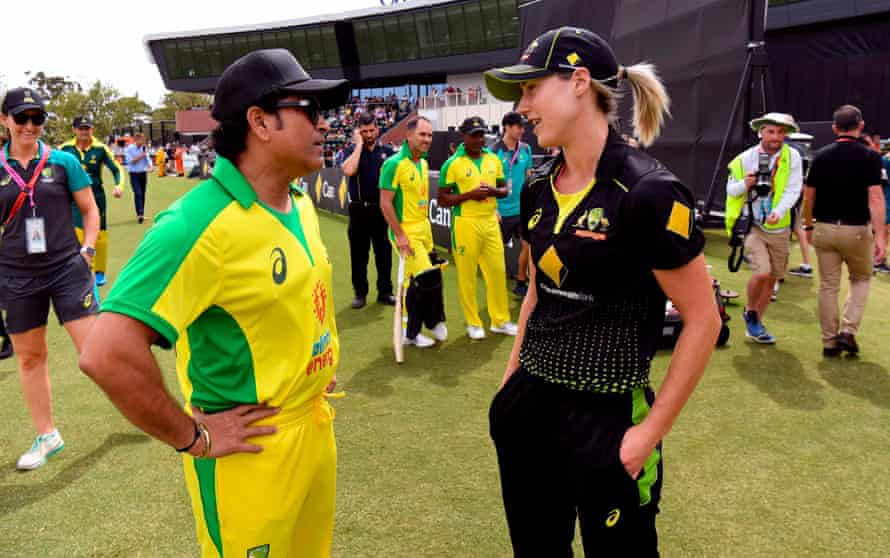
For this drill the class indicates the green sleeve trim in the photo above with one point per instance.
(168, 333)
(78, 179)
(112, 165)
(443, 173)
(388, 174)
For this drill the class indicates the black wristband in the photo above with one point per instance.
(194, 440)
(808, 227)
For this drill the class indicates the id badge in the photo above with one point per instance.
(35, 235)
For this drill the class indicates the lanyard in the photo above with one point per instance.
(25, 190)
(515, 156)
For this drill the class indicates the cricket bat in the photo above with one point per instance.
(397, 314)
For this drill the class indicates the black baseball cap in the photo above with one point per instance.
(473, 125)
(261, 73)
(558, 50)
(82, 122)
(21, 99)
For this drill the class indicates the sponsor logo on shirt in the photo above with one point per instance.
(320, 301)
(322, 354)
(258, 552)
(5, 181)
(279, 266)
(536, 216)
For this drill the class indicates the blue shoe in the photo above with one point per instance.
(754, 330)
(100, 278)
(44, 447)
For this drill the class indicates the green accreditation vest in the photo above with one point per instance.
(735, 204)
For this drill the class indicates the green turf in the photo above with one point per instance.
(779, 453)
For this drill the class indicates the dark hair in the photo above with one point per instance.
(412, 124)
(847, 117)
(511, 119)
(366, 119)
(229, 139)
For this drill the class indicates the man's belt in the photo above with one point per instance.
(844, 222)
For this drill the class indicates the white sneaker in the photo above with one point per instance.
(421, 341)
(506, 328)
(440, 332)
(44, 446)
(475, 332)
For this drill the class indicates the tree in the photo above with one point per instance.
(102, 103)
(51, 87)
(177, 100)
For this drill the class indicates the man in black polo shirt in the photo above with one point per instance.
(366, 225)
(843, 194)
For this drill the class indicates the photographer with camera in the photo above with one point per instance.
(764, 183)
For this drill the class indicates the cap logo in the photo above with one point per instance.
(475, 123)
(528, 52)
(573, 59)
(28, 99)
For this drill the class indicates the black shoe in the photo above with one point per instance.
(358, 302)
(140, 219)
(831, 351)
(847, 342)
(388, 300)
(6, 350)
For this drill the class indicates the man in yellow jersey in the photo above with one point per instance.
(469, 182)
(404, 201)
(235, 275)
(92, 154)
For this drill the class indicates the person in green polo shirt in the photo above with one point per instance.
(235, 275)
(469, 182)
(92, 155)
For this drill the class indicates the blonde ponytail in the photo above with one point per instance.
(651, 101)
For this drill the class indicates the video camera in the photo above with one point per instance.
(764, 184)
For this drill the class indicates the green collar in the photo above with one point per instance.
(230, 178)
(406, 151)
(462, 152)
(39, 150)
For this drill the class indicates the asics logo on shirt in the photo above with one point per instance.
(279, 266)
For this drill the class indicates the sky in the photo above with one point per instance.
(104, 40)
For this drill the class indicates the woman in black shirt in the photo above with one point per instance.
(576, 426)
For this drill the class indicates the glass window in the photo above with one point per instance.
(200, 61)
(425, 40)
(457, 26)
(474, 28)
(255, 41)
(331, 48)
(239, 46)
(171, 57)
(441, 37)
(393, 38)
(363, 41)
(186, 67)
(408, 33)
(301, 50)
(378, 40)
(213, 56)
(315, 52)
(510, 23)
(227, 51)
(492, 20)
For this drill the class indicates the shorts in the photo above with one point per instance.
(420, 235)
(886, 190)
(71, 289)
(559, 459)
(279, 502)
(768, 252)
(510, 228)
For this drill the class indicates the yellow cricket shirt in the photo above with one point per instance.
(411, 183)
(243, 291)
(461, 174)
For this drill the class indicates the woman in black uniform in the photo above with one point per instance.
(576, 425)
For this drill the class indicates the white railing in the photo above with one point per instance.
(455, 99)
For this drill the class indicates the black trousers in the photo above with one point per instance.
(367, 228)
(558, 452)
(139, 183)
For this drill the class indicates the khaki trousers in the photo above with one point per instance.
(836, 245)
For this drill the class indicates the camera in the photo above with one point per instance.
(764, 184)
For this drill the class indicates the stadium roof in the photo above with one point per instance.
(420, 41)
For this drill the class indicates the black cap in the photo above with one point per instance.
(82, 122)
(263, 72)
(472, 125)
(21, 99)
(558, 50)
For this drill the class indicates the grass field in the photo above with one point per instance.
(779, 453)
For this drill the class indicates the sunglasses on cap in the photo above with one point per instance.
(22, 118)
(308, 106)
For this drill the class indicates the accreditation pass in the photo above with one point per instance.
(35, 235)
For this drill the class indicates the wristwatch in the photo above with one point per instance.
(808, 227)
(88, 250)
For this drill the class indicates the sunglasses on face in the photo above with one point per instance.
(308, 106)
(22, 118)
